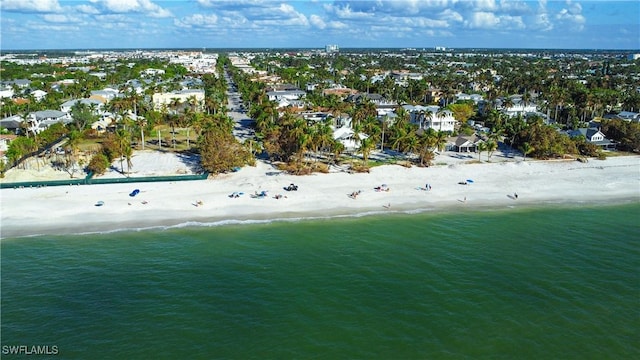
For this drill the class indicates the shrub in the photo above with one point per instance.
(99, 164)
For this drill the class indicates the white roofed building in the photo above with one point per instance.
(161, 100)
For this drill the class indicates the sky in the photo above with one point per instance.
(420, 24)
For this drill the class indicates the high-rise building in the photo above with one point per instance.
(331, 48)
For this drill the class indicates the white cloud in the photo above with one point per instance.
(483, 20)
(197, 20)
(87, 9)
(345, 12)
(480, 6)
(27, 6)
(572, 15)
(541, 22)
(60, 18)
(450, 15)
(515, 7)
(488, 20)
(134, 6)
(317, 22)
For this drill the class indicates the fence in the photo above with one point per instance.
(89, 180)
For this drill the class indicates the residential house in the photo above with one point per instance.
(19, 83)
(162, 100)
(106, 94)
(383, 106)
(95, 103)
(40, 120)
(348, 138)
(518, 106)
(152, 72)
(594, 136)
(431, 117)
(476, 98)
(38, 95)
(463, 143)
(5, 140)
(6, 92)
(278, 95)
(11, 123)
(629, 116)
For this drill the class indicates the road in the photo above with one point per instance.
(242, 129)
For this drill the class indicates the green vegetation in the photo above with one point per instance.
(571, 90)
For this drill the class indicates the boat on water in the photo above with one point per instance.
(100, 203)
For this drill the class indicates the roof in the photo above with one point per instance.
(588, 133)
(467, 140)
(419, 108)
(46, 114)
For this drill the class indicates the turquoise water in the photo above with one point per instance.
(559, 283)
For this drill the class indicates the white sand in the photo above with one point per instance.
(71, 209)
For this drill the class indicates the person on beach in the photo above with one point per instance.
(515, 195)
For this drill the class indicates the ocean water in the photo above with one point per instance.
(560, 282)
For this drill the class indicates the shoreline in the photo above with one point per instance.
(65, 210)
(163, 224)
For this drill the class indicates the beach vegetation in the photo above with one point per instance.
(98, 164)
(626, 133)
(220, 151)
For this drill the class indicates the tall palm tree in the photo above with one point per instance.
(440, 140)
(507, 102)
(128, 153)
(491, 146)
(526, 148)
(124, 143)
(480, 148)
(366, 146)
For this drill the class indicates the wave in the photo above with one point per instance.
(316, 217)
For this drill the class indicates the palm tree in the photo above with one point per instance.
(71, 150)
(366, 146)
(128, 153)
(480, 148)
(25, 124)
(122, 137)
(507, 102)
(526, 148)
(491, 146)
(440, 140)
(442, 114)
(337, 148)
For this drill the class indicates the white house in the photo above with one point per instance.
(348, 138)
(287, 95)
(518, 107)
(68, 105)
(107, 94)
(38, 95)
(463, 143)
(5, 140)
(161, 100)
(40, 120)
(476, 98)
(6, 92)
(431, 117)
(152, 72)
(593, 136)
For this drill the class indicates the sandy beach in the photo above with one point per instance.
(72, 209)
